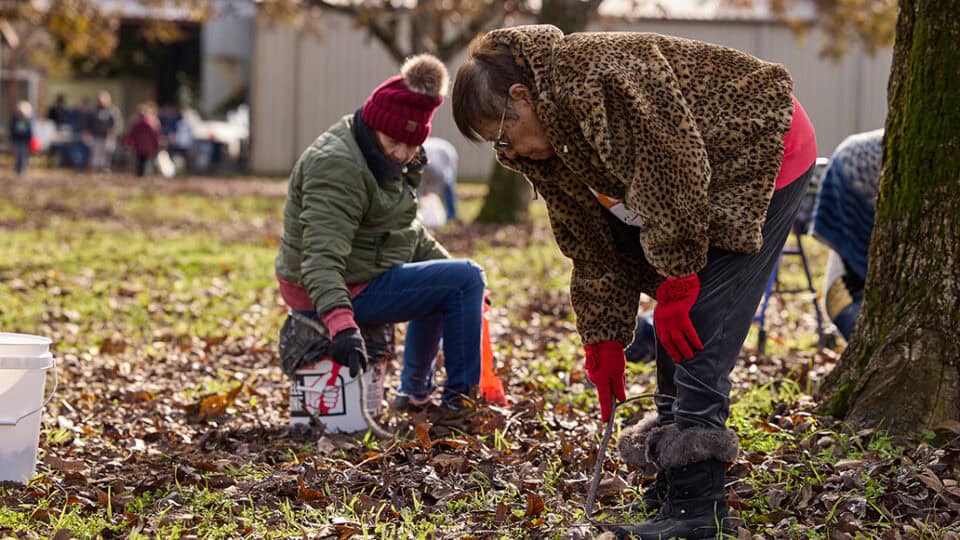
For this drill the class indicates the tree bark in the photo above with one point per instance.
(568, 15)
(508, 197)
(901, 369)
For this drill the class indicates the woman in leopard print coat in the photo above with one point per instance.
(669, 167)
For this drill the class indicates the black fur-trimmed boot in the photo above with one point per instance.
(633, 451)
(693, 462)
(653, 495)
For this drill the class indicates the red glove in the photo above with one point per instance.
(605, 365)
(671, 317)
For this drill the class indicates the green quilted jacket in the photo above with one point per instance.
(341, 226)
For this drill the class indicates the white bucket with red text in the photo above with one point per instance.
(326, 393)
(24, 361)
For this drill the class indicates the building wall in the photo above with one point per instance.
(302, 83)
(227, 45)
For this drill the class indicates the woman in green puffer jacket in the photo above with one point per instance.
(354, 253)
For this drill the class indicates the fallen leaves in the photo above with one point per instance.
(423, 435)
(535, 505)
(216, 404)
(134, 427)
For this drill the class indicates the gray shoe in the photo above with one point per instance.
(409, 404)
(457, 408)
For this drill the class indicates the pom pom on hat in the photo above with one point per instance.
(425, 74)
(403, 106)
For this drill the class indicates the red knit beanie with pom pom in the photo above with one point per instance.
(403, 106)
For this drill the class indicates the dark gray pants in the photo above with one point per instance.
(731, 287)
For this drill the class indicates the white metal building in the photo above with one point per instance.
(301, 83)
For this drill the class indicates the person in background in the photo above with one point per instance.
(440, 172)
(168, 115)
(21, 132)
(843, 220)
(58, 112)
(79, 149)
(102, 124)
(144, 138)
(176, 133)
(354, 253)
(669, 167)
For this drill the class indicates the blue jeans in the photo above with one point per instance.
(79, 154)
(450, 201)
(846, 320)
(21, 153)
(441, 298)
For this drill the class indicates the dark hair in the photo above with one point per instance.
(483, 82)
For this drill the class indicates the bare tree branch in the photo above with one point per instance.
(484, 19)
(386, 35)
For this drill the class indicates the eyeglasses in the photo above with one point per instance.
(499, 143)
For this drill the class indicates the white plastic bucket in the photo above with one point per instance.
(325, 392)
(24, 360)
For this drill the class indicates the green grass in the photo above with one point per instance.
(156, 273)
(10, 211)
(197, 208)
(130, 283)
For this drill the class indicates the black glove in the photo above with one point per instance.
(349, 350)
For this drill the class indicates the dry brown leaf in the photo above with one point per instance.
(142, 395)
(449, 462)
(770, 428)
(930, 480)
(490, 424)
(368, 503)
(113, 345)
(64, 465)
(451, 443)
(806, 493)
(347, 531)
(129, 290)
(423, 435)
(535, 505)
(845, 464)
(79, 500)
(837, 534)
(217, 404)
(41, 514)
(891, 534)
(502, 512)
(610, 487)
(307, 494)
(213, 341)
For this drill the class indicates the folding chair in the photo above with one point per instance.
(801, 227)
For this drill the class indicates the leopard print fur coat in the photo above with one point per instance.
(687, 134)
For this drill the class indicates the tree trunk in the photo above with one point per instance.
(508, 197)
(568, 15)
(901, 370)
